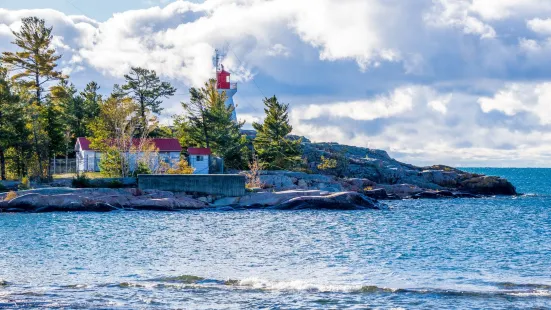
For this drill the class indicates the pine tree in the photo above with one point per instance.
(91, 100)
(34, 66)
(11, 114)
(146, 89)
(273, 148)
(208, 123)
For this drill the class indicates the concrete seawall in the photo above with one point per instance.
(231, 185)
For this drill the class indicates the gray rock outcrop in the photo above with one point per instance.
(338, 201)
(395, 177)
(96, 200)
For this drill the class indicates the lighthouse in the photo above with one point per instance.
(223, 84)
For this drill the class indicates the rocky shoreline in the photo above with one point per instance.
(362, 178)
(106, 200)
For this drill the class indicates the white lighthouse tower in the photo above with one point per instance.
(223, 84)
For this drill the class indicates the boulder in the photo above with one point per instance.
(402, 190)
(433, 195)
(379, 193)
(441, 177)
(357, 184)
(338, 201)
(277, 181)
(228, 201)
(488, 185)
(274, 198)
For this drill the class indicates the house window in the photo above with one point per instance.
(199, 158)
(227, 78)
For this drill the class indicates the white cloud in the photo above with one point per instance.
(500, 9)
(279, 49)
(363, 72)
(538, 25)
(458, 14)
(515, 98)
(440, 104)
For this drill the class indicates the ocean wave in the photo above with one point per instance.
(254, 283)
(187, 282)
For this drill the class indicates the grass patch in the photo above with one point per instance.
(10, 196)
(90, 175)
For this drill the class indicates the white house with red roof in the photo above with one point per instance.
(169, 151)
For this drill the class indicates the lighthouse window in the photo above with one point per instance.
(227, 79)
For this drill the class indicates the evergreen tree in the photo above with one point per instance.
(146, 89)
(273, 148)
(11, 115)
(54, 124)
(91, 102)
(34, 66)
(208, 123)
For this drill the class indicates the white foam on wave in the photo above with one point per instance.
(536, 293)
(297, 285)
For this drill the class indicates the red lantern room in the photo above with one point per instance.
(222, 79)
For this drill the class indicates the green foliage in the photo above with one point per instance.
(111, 164)
(142, 168)
(327, 163)
(54, 127)
(274, 150)
(3, 188)
(145, 88)
(336, 165)
(12, 121)
(81, 181)
(25, 184)
(162, 132)
(182, 168)
(33, 66)
(115, 184)
(36, 61)
(208, 123)
(91, 102)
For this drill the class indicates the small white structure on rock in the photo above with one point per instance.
(199, 159)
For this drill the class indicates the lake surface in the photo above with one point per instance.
(441, 254)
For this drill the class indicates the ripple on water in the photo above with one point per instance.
(441, 254)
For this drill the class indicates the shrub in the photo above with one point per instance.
(253, 175)
(142, 168)
(10, 196)
(182, 168)
(115, 184)
(3, 188)
(327, 163)
(25, 184)
(81, 181)
(112, 164)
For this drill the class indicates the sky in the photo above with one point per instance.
(456, 82)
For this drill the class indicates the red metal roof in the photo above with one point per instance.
(162, 144)
(199, 151)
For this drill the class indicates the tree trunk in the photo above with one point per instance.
(2, 164)
(36, 145)
(142, 113)
(37, 148)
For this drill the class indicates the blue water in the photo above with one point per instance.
(490, 253)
